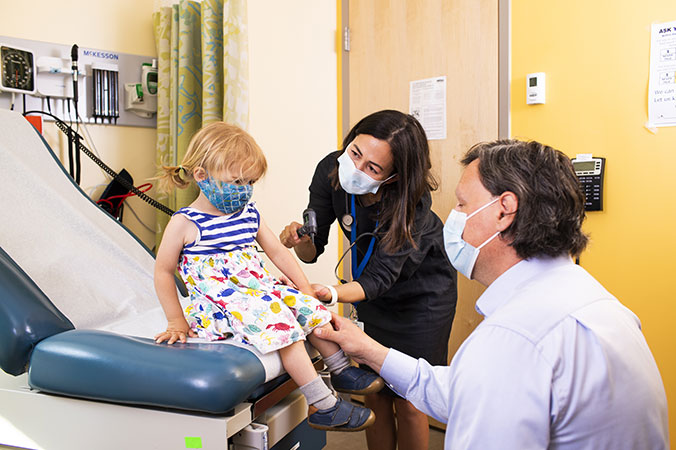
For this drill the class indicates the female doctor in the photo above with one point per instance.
(404, 288)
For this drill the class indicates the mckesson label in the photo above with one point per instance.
(101, 55)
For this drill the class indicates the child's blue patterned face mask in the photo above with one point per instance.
(227, 198)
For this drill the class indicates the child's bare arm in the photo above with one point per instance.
(175, 236)
(282, 258)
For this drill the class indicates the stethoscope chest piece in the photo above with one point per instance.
(347, 220)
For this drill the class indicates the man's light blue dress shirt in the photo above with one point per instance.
(557, 363)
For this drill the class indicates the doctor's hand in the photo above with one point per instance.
(289, 235)
(177, 330)
(354, 342)
(321, 292)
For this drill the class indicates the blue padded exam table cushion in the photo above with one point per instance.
(26, 316)
(99, 365)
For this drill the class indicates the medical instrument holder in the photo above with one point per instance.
(309, 224)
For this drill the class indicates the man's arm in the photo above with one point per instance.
(495, 395)
(423, 385)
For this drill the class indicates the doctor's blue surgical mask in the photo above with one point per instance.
(227, 198)
(462, 255)
(353, 180)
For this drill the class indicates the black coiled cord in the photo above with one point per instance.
(142, 195)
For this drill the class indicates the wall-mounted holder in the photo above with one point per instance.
(54, 77)
(141, 98)
(103, 85)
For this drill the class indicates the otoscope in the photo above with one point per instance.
(309, 224)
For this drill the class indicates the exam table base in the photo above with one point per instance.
(33, 420)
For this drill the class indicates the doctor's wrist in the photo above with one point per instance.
(333, 299)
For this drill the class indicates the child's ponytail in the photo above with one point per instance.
(171, 177)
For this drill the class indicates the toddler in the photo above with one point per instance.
(231, 292)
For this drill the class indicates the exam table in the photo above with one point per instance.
(77, 314)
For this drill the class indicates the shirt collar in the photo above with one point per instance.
(505, 286)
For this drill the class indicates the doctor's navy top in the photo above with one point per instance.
(557, 363)
(216, 235)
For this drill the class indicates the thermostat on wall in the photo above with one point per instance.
(535, 88)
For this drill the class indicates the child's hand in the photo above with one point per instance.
(177, 330)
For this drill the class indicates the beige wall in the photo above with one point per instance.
(121, 26)
(292, 85)
(293, 114)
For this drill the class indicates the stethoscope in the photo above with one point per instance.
(349, 222)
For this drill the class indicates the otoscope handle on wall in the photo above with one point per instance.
(309, 224)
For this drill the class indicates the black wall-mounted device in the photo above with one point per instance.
(590, 171)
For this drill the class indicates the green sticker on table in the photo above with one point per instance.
(193, 442)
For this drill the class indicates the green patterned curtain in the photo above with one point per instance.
(203, 77)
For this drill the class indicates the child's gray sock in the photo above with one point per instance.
(318, 394)
(337, 362)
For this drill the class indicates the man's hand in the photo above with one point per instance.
(354, 342)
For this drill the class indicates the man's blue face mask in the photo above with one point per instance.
(462, 255)
(227, 198)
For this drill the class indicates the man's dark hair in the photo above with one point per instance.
(549, 218)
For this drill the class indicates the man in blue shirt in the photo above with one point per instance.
(558, 362)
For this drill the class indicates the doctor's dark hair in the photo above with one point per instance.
(411, 164)
(548, 221)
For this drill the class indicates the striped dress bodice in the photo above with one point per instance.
(219, 234)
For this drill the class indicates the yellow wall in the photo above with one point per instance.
(596, 56)
(120, 26)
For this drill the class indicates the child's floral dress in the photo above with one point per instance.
(231, 291)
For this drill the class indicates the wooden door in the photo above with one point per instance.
(395, 42)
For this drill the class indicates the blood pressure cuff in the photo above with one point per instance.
(26, 316)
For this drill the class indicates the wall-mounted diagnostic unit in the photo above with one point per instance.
(590, 171)
(76, 83)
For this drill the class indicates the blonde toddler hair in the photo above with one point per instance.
(216, 147)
